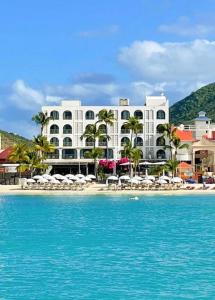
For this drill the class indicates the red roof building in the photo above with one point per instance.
(185, 136)
(4, 155)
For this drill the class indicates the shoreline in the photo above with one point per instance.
(97, 189)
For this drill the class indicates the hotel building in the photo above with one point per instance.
(70, 119)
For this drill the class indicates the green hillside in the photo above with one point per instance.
(186, 110)
(8, 139)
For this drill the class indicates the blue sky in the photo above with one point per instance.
(99, 51)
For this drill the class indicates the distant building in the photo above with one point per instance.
(70, 120)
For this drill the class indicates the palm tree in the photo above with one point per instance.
(135, 158)
(92, 133)
(169, 131)
(42, 146)
(35, 163)
(127, 152)
(106, 117)
(134, 125)
(20, 155)
(172, 165)
(177, 145)
(41, 119)
(94, 154)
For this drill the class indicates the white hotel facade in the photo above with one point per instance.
(70, 119)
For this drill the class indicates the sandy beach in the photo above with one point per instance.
(97, 189)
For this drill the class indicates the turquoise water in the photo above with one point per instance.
(104, 247)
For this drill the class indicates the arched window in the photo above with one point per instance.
(161, 154)
(103, 128)
(160, 141)
(67, 141)
(125, 140)
(158, 128)
(138, 141)
(54, 141)
(53, 155)
(103, 141)
(67, 129)
(69, 154)
(138, 114)
(124, 130)
(125, 115)
(160, 115)
(89, 142)
(54, 129)
(54, 115)
(67, 115)
(89, 115)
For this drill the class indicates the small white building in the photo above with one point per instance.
(69, 121)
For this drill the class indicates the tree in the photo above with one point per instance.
(41, 119)
(127, 152)
(42, 146)
(134, 125)
(172, 165)
(177, 145)
(169, 131)
(92, 133)
(135, 158)
(20, 155)
(94, 154)
(106, 117)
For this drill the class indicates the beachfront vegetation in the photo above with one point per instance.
(41, 119)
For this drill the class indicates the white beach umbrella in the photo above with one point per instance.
(30, 180)
(66, 180)
(71, 177)
(147, 181)
(176, 180)
(42, 180)
(80, 175)
(150, 177)
(162, 181)
(125, 177)
(91, 176)
(87, 179)
(134, 181)
(113, 178)
(145, 163)
(164, 178)
(138, 177)
(47, 176)
(58, 176)
(37, 177)
(161, 163)
(55, 181)
(80, 181)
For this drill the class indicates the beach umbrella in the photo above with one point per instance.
(80, 181)
(164, 178)
(66, 180)
(55, 181)
(162, 181)
(80, 175)
(134, 181)
(176, 180)
(47, 176)
(42, 180)
(147, 181)
(37, 177)
(87, 178)
(150, 177)
(145, 163)
(138, 177)
(125, 177)
(71, 177)
(91, 176)
(161, 163)
(58, 176)
(112, 178)
(30, 180)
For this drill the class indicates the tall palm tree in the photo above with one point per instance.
(134, 125)
(107, 117)
(41, 119)
(20, 155)
(94, 154)
(135, 158)
(169, 131)
(177, 145)
(93, 133)
(42, 146)
(172, 165)
(127, 151)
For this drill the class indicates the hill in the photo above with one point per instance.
(8, 139)
(185, 110)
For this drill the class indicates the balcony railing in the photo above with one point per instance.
(67, 118)
(140, 144)
(102, 144)
(123, 131)
(69, 156)
(54, 131)
(67, 144)
(67, 131)
(89, 144)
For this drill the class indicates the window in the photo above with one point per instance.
(54, 129)
(89, 115)
(69, 154)
(53, 155)
(67, 129)
(67, 141)
(67, 115)
(160, 115)
(54, 115)
(161, 154)
(160, 141)
(138, 141)
(124, 130)
(89, 142)
(103, 128)
(125, 115)
(138, 114)
(103, 141)
(124, 141)
(158, 128)
(54, 141)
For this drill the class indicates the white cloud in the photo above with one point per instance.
(158, 62)
(184, 27)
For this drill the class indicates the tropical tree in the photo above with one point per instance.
(169, 131)
(35, 163)
(171, 166)
(20, 155)
(127, 152)
(93, 133)
(134, 125)
(41, 119)
(135, 158)
(177, 145)
(107, 117)
(94, 154)
(42, 147)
